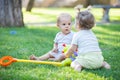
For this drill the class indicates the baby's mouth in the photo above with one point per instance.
(66, 30)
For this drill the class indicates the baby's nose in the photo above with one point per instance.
(67, 26)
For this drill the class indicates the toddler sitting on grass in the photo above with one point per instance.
(89, 53)
(64, 23)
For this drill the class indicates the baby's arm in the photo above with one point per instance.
(71, 50)
(55, 48)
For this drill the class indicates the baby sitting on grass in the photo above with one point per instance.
(89, 53)
(64, 23)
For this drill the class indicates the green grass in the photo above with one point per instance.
(38, 40)
(49, 14)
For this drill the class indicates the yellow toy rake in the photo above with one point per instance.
(7, 60)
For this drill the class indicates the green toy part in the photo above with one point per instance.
(66, 62)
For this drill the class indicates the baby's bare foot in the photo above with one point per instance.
(106, 65)
(33, 57)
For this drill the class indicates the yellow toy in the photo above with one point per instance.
(7, 60)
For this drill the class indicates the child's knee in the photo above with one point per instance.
(74, 64)
(59, 58)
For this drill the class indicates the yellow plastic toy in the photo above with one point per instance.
(7, 60)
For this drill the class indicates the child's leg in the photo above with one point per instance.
(106, 65)
(52, 59)
(43, 57)
(76, 66)
(59, 57)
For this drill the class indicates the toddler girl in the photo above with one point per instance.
(85, 41)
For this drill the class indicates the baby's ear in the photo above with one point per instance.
(78, 7)
(89, 8)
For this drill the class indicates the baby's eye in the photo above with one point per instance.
(69, 23)
(63, 24)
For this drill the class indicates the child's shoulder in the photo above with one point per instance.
(59, 33)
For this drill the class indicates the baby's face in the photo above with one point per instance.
(65, 25)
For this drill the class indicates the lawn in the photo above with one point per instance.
(48, 15)
(22, 42)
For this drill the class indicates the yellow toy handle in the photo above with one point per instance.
(9, 60)
(39, 62)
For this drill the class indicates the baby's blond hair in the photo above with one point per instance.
(63, 15)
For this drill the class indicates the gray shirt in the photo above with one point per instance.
(63, 39)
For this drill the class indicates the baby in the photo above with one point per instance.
(85, 41)
(64, 23)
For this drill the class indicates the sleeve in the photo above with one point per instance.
(75, 39)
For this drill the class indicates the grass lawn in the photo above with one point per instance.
(22, 42)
